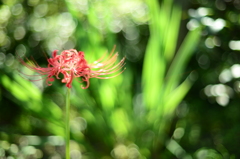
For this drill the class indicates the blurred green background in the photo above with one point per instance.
(178, 97)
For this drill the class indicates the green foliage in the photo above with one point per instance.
(146, 112)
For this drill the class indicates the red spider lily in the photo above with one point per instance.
(72, 64)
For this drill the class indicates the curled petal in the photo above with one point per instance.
(54, 53)
(85, 79)
(50, 79)
(69, 83)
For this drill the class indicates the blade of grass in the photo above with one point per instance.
(172, 33)
(179, 62)
(177, 96)
(154, 64)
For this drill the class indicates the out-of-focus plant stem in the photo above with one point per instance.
(67, 131)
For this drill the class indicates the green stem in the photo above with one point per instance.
(67, 133)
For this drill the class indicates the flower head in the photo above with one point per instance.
(72, 64)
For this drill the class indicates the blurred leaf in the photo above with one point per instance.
(177, 95)
(180, 60)
(172, 33)
(120, 122)
(49, 111)
(14, 88)
(153, 72)
(162, 64)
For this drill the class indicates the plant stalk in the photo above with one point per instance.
(67, 128)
